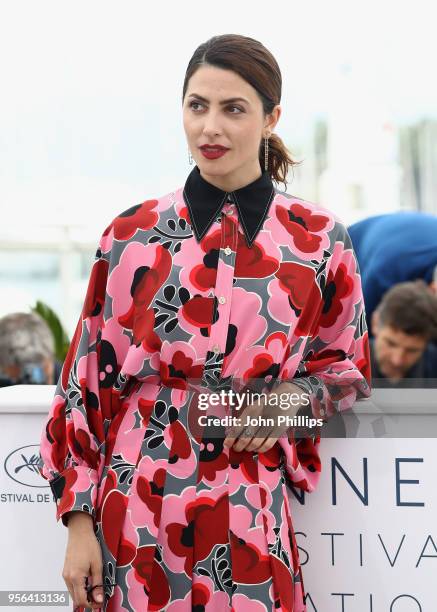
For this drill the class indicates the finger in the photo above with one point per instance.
(75, 598)
(235, 431)
(255, 443)
(259, 436)
(92, 594)
(262, 435)
(80, 594)
(70, 588)
(245, 439)
(248, 433)
(267, 445)
(96, 595)
(266, 431)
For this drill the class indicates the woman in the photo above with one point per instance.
(225, 279)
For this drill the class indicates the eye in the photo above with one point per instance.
(240, 110)
(194, 103)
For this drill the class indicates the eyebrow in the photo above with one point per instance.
(228, 101)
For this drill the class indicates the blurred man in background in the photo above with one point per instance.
(403, 325)
(394, 248)
(27, 351)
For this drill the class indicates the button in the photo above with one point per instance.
(228, 250)
(222, 299)
(216, 349)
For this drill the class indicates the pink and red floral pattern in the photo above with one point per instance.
(183, 522)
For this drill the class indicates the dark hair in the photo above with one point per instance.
(410, 307)
(256, 65)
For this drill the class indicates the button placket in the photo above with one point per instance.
(223, 293)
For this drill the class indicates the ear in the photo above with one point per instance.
(374, 323)
(272, 119)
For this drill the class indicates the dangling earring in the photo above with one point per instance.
(190, 158)
(266, 153)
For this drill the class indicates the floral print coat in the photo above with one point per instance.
(268, 289)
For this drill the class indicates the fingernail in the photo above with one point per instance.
(99, 597)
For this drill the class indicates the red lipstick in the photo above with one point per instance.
(213, 151)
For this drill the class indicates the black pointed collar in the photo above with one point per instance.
(205, 201)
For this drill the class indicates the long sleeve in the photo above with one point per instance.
(88, 393)
(335, 367)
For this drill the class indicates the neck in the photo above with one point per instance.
(233, 180)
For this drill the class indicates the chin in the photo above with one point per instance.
(394, 375)
(212, 168)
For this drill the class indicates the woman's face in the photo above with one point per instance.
(221, 108)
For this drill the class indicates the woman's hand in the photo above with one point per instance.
(83, 559)
(263, 437)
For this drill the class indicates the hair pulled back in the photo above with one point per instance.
(256, 65)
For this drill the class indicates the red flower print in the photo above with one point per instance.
(249, 566)
(304, 225)
(244, 461)
(80, 440)
(271, 458)
(184, 214)
(108, 484)
(295, 296)
(95, 296)
(284, 596)
(200, 515)
(180, 442)
(203, 275)
(341, 292)
(141, 216)
(338, 288)
(197, 312)
(179, 369)
(150, 492)
(198, 263)
(308, 455)
(297, 281)
(147, 568)
(55, 431)
(65, 493)
(255, 262)
(263, 362)
(126, 552)
(320, 361)
(113, 515)
(300, 225)
(145, 283)
(263, 365)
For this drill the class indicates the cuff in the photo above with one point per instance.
(75, 489)
(315, 388)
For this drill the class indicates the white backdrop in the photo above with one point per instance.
(367, 535)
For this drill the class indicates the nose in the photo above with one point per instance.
(211, 125)
(398, 358)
